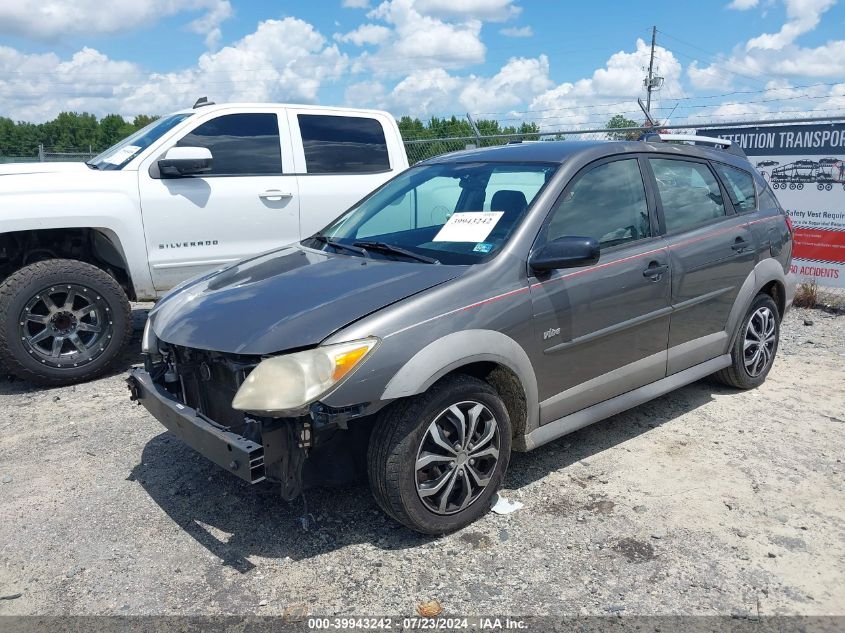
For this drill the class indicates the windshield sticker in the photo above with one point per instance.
(468, 226)
(122, 154)
(483, 247)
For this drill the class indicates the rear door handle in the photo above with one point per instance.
(655, 270)
(740, 245)
(275, 194)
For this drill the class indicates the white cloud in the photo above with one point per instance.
(356, 4)
(803, 16)
(594, 99)
(507, 88)
(283, 60)
(54, 19)
(517, 31)
(487, 10)
(743, 5)
(421, 42)
(425, 92)
(365, 34)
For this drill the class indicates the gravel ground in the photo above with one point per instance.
(705, 501)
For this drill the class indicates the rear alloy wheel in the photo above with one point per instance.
(753, 351)
(61, 321)
(436, 460)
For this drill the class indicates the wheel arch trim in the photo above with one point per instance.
(458, 349)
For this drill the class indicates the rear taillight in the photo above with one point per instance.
(789, 224)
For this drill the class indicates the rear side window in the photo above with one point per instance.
(607, 203)
(689, 193)
(343, 144)
(767, 199)
(240, 144)
(740, 186)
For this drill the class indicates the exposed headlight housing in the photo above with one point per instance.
(289, 382)
(149, 340)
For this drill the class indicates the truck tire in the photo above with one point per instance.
(753, 351)
(62, 321)
(428, 473)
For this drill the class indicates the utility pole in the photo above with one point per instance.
(651, 82)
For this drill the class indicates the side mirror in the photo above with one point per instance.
(185, 161)
(565, 252)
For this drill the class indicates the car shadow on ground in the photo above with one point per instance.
(206, 501)
(131, 355)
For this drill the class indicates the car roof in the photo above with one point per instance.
(562, 151)
(214, 107)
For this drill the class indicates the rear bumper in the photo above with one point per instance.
(790, 283)
(233, 452)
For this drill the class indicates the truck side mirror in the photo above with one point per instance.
(565, 252)
(185, 161)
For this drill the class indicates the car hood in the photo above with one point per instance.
(10, 169)
(290, 298)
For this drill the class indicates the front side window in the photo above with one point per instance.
(240, 144)
(607, 203)
(343, 144)
(456, 213)
(740, 186)
(689, 193)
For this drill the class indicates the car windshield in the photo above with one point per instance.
(451, 213)
(117, 156)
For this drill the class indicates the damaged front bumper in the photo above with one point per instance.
(237, 454)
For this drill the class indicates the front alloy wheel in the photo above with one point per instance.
(66, 325)
(436, 459)
(457, 457)
(62, 321)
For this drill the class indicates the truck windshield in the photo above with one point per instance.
(452, 213)
(120, 154)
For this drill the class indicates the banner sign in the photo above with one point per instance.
(805, 165)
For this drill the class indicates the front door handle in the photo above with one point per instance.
(740, 245)
(275, 194)
(655, 270)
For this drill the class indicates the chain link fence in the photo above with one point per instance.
(46, 155)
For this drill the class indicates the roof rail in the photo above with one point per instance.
(711, 141)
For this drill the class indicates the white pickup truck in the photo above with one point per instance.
(194, 190)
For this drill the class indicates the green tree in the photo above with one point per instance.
(618, 121)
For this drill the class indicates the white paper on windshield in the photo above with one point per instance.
(122, 154)
(468, 226)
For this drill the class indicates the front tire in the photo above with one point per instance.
(756, 344)
(435, 460)
(62, 321)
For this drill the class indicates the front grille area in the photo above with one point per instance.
(209, 381)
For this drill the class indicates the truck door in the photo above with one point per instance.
(247, 204)
(340, 157)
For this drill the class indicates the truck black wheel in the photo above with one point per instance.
(436, 460)
(62, 321)
(756, 344)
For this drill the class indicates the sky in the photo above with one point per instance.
(561, 64)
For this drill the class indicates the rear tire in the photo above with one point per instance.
(753, 352)
(62, 321)
(418, 455)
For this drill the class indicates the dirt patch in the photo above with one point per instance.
(707, 500)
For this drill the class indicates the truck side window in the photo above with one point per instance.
(607, 203)
(240, 144)
(740, 186)
(689, 193)
(343, 144)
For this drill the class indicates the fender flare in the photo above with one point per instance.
(764, 272)
(457, 349)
